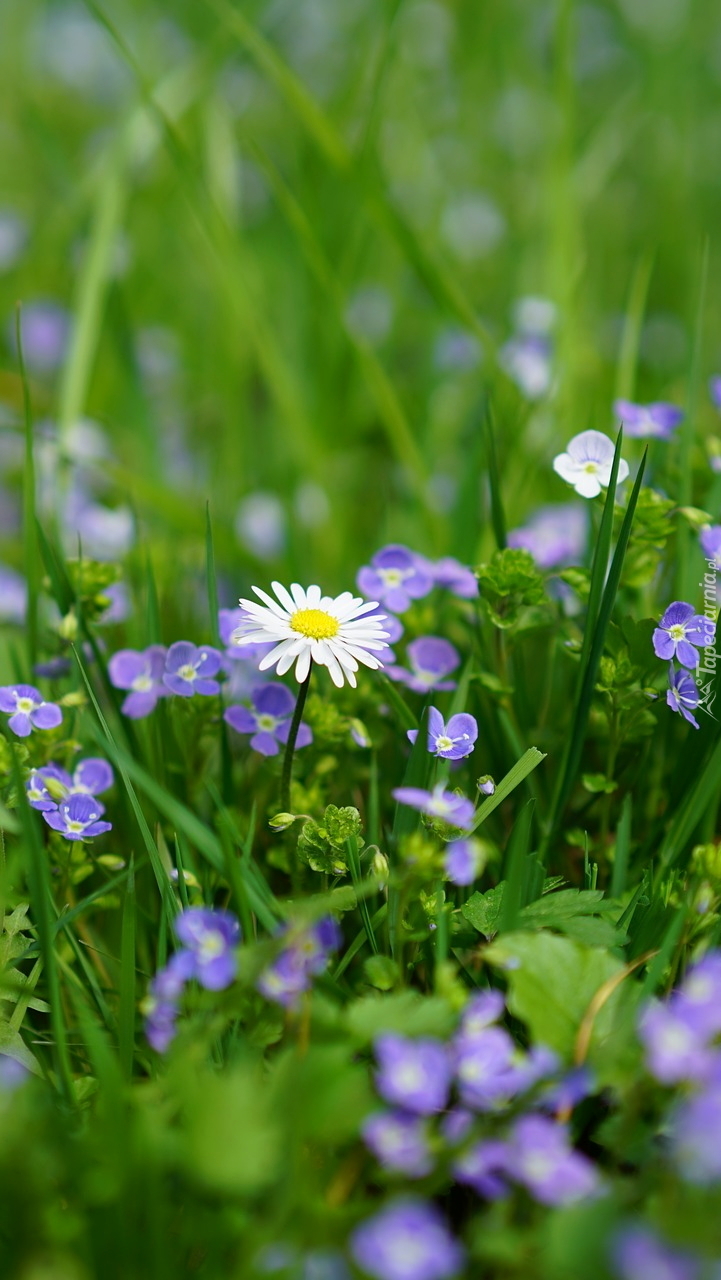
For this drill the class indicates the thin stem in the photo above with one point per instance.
(290, 744)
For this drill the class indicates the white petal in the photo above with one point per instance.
(587, 485)
(565, 466)
(284, 596)
(299, 595)
(363, 656)
(591, 446)
(313, 595)
(270, 602)
(622, 471)
(345, 658)
(271, 658)
(302, 667)
(343, 604)
(286, 662)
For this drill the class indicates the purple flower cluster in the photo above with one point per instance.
(680, 634)
(417, 1077)
(396, 576)
(456, 810)
(305, 953)
(680, 1039)
(28, 709)
(555, 535)
(269, 720)
(47, 786)
(648, 421)
(67, 801)
(431, 660)
(149, 674)
(407, 1240)
(209, 938)
(452, 741)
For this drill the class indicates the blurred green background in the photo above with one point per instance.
(289, 238)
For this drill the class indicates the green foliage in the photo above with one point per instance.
(509, 584)
(322, 845)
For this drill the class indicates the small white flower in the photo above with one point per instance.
(335, 633)
(587, 463)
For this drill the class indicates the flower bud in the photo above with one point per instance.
(282, 821)
(486, 785)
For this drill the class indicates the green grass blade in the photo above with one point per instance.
(211, 578)
(515, 776)
(593, 648)
(623, 845)
(516, 869)
(498, 518)
(126, 1017)
(31, 554)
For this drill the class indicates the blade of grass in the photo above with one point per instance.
(623, 844)
(498, 518)
(686, 575)
(126, 1016)
(593, 647)
(31, 556)
(515, 869)
(515, 776)
(37, 869)
(211, 578)
(632, 323)
(355, 875)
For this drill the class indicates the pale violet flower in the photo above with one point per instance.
(308, 626)
(587, 463)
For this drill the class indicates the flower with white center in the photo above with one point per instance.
(308, 626)
(587, 463)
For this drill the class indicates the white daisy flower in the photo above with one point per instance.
(587, 463)
(335, 633)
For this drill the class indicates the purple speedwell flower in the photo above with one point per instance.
(681, 633)
(463, 861)
(457, 811)
(161, 1004)
(696, 1137)
(657, 421)
(526, 359)
(46, 786)
(682, 694)
(588, 462)
(431, 659)
(28, 710)
(306, 952)
(676, 1050)
(555, 535)
(45, 330)
(455, 577)
(451, 741)
(140, 671)
(77, 818)
(395, 577)
(13, 596)
(484, 1166)
(211, 937)
(483, 1063)
(399, 1142)
(189, 670)
(269, 721)
(698, 1000)
(414, 1074)
(542, 1160)
(406, 1240)
(710, 539)
(638, 1254)
(714, 390)
(12, 1073)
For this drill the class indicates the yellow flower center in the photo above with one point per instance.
(677, 631)
(591, 468)
(25, 705)
(315, 623)
(74, 826)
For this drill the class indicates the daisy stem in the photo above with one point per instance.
(290, 744)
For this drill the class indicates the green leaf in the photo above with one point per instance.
(483, 910)
(551, 983)
(509, 583)
(408, 1013)
(235, 1102)
(382, 972)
